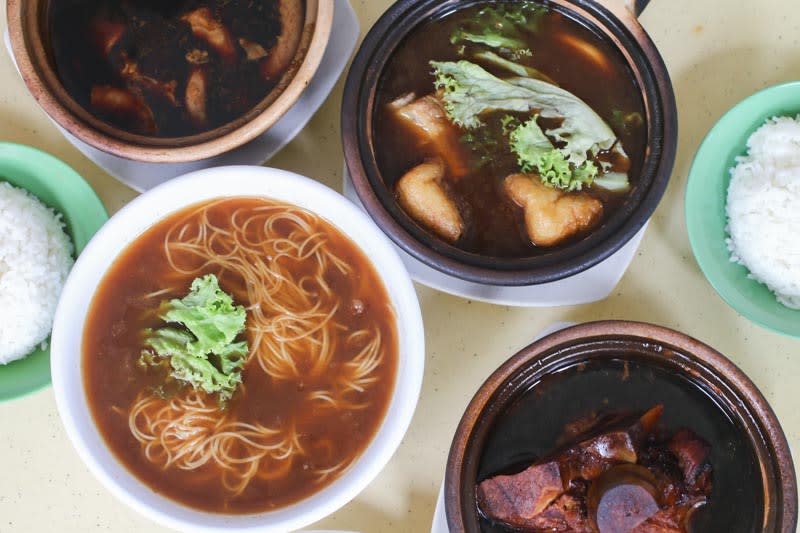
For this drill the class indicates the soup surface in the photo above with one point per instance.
(316, 381)
(487, 216)
(170, 69)
(530, 428)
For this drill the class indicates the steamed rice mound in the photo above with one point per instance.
(764, 208)
(35, 258)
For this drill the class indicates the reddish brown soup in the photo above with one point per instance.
(319, 414)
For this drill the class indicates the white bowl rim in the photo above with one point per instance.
(139, 215)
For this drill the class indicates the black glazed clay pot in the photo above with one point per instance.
(618, 366)
(620, 28)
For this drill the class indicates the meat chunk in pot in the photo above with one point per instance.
(517, 499)
(619, 475)
(280, 56)
(106, 35)
(253, 51)
(196, 96)
(139, 83)
(209, 29)
(692, 453)
(567, 514)
(426, 119)
(121, 103)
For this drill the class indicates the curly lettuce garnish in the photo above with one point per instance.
(535, 151)
(200, 347)
(574, 133)
(468, 91)
(502, 27)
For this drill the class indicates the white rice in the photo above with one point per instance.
(764, 208)
(35, 258)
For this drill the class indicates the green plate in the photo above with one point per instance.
(706, 192)
(63, 189)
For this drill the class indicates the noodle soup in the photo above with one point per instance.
(316, 379)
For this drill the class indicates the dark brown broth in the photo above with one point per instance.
(530, 427)
(157, 41)
(494, 225)
(112, 344)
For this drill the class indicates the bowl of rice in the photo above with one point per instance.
(743, 208)
(48, 213)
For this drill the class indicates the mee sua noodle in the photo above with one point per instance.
(316, 381)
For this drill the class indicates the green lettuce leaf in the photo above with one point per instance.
(582, 130)
(573, 130)
(201, 373)
(535, 151)
(167, 340)
(501, 26)
(468, 91)
(208, 313)
(613, 181)
(529, 142)
(201, 352)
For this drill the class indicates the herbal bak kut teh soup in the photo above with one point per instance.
(240, 355)
(169, 69)
(508, 129)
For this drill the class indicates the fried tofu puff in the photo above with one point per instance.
(423, 196)
(551, 215)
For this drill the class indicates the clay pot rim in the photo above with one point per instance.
(43, 84)
(624, 31)
(756, 415)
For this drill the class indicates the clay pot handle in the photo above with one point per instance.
(631, 6)
(638, 6)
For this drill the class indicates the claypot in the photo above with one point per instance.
(612, 366)
(28, 30)
(615, 21)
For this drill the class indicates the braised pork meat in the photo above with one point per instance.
(172, 69)
(619, 475)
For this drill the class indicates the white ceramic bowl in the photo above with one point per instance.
(137, 217)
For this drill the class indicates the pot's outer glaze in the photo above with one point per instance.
(686, 356)
(624, 32)
(30, 42)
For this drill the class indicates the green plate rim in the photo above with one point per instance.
(708, 148)
(93, 215)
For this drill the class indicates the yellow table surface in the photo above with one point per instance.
(717, 52)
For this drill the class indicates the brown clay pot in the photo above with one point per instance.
(614, 20)
(28, 30)
(615, 365)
